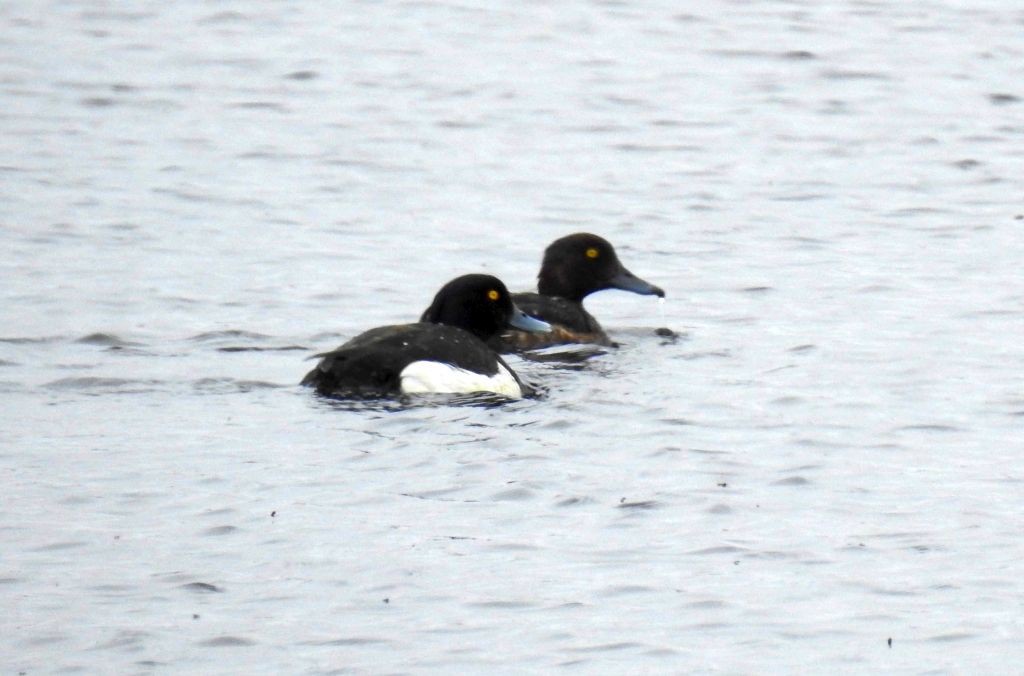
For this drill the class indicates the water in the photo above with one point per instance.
(195, 197)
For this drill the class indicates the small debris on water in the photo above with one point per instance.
(668, 336)
(273, 514)
(890, 641)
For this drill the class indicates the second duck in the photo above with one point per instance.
(574, 267)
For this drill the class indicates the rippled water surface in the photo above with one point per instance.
(822, 473)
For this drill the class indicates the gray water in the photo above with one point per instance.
(195, 197)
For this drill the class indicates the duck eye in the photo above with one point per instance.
(493, 295)
(593, 253)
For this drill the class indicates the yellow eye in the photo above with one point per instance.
(593, 253)
(493, 295)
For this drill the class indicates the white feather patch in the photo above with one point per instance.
(421, 377)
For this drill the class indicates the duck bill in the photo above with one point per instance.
(627, 281)
(524, 322)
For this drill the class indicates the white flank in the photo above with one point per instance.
(421, 377)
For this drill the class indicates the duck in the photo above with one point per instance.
(573, 267)
(445, 352)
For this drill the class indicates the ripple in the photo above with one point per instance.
(951, 637)
(1003, 99)
(61, 546)
(638, 504)
(791, 481)
(967, 164)
(721, 549)
(709, 604)
(514, 494)
(113, 589)
(218, 531)
(347, 641)
(47, 639)
(221, 17)
(705, 626)
(892, 592)
(232, 334)
(232, 386)
(202, 588)
(513, 547)
(98, 102)
(117, 14)
(130, 351)
(105, 340)
(740, 53)
(652, 148)
(227, 642)
(709, 451)
(841, 74)
(928, 427)
(574, 501)
(607, 647)
(437, 494)
(626, 590)
(801, 197)
(125, 638)
(677, 422)
(503, 605)
(34, 340)
(95, 383)
(260, 105)
(910, 212)
(708, 354)
(219, 512)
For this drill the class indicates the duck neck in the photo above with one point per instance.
(553, 285)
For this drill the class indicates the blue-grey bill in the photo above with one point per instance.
(521, 320)
(627, 281)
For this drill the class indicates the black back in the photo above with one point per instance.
(370, 365)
